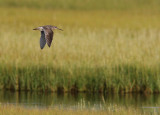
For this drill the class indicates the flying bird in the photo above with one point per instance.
(46, 34)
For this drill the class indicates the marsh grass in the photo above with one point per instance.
(111, 110)
(118, 79)
(99, 51)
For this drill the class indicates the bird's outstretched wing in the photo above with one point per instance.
(48, 36)
(42, 40)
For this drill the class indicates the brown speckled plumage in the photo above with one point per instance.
(46, 34)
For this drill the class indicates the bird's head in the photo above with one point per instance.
(55, 27)
(38, 28)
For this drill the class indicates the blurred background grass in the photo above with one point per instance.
(84, 4)
(106, 45)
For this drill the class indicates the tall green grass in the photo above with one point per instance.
(98, 51)
(118, 79)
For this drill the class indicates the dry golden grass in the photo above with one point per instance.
(94, 37)
(113, 110)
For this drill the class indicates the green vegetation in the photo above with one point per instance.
(105, 50)
(122, 78)
(84, 4)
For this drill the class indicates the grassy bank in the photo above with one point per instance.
(98, 51)
(111, 110)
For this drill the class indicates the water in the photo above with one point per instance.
(80, 100)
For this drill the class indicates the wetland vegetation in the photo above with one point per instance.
(114, 48)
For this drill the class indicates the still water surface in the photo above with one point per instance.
(38, 99)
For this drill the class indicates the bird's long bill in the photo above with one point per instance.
(35, 29)
(59, 29)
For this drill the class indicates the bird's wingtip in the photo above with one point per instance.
(41, 48)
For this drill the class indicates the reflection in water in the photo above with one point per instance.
(69, 100)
